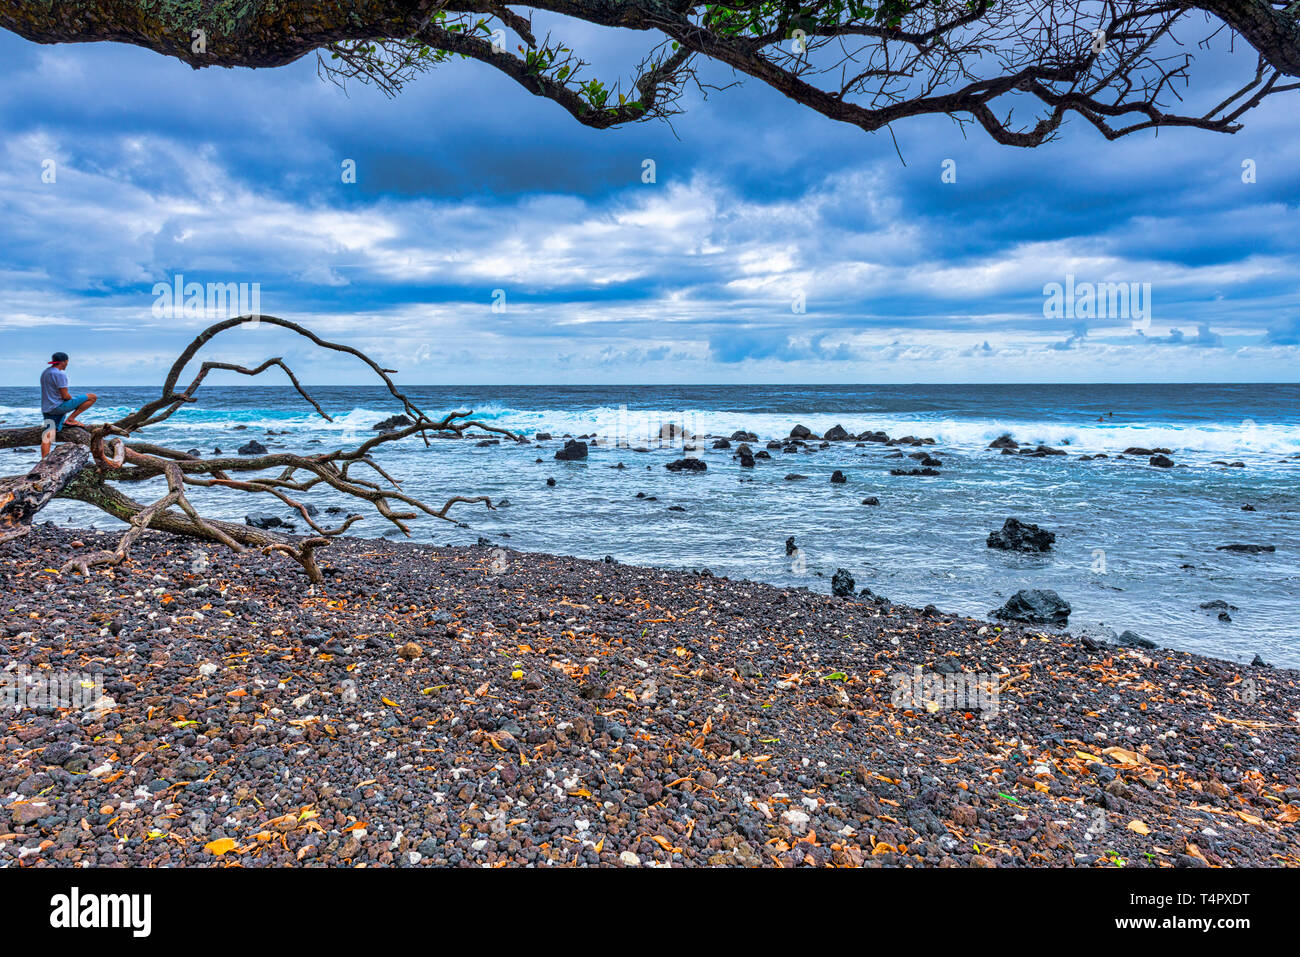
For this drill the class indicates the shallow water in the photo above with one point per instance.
(1124, 530)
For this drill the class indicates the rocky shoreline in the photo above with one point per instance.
(482, 707)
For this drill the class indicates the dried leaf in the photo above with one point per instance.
(219, 847)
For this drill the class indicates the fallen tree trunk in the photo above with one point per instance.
(22, 496)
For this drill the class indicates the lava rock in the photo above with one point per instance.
(687, 465)
(392, 423)
(1037, 606)
(252, 447)
(264, 521)
(1018, 536)
(1131, 639)
(573, 451)
(842, 583)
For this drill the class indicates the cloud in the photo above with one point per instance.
(466, 186)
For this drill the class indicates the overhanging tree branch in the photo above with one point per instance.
(1123, 65)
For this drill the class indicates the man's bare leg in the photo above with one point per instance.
(72, 419)
(47, 439)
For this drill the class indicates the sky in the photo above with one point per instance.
(489, 238)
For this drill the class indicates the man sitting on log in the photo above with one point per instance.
(57, 402)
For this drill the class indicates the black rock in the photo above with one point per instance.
(253, 447)
(795, 477)
(1217, 605)
(743, 436)
(1259, 662)
(542, 436)
(392, 423)
(1162, 462)
(687, 465)
(550, 482)
(1004, 442)
(1034, 606)
(1018, 536)
(263, 520)
(1247, 549)
(573, 451)
(57, 753)
(722, 444)
(800, 432)
(842, 583)
(1131, 639)
(871, 500)
(838, 477)
(837, 433)
(790, 546)
(925, 471)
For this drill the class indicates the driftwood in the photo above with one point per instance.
(22, 496)
(88, 464)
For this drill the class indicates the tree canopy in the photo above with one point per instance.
(1016, 68)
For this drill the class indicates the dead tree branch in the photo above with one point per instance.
(87, 465)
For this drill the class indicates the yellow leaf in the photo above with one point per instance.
(1085, 756)
(391, 704)
(219, 847)
(1138, 827)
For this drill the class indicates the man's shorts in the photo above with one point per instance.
(60, 412)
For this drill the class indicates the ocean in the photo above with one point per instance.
(1135, 545)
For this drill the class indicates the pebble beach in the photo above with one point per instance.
(482, 707)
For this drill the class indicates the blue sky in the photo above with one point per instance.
(467, 185)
